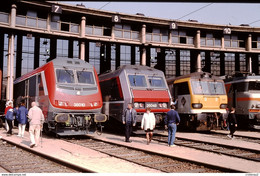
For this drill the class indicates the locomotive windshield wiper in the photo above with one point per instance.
(151, 80)
(201, 89)
(134, 80)
(66, 69)
(79, 74)
(215, 88)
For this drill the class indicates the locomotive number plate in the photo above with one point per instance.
(151, 105)
(79, 104)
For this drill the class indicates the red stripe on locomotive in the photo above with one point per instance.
(151, 96)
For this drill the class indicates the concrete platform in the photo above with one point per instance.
(252, 134)
(215, 140)
(223, 161)
(86, 158)
(102, 163)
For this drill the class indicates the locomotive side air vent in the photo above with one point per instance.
(77, 62)
(89, 88)
(69, 62)
(65, 87)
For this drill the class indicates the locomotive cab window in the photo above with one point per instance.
(156, 81)
(217, 88)
(200, 87)
(65, 76)
(207, 88)
(85, 77)
(137, 80)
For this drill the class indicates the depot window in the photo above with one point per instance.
(182, 37)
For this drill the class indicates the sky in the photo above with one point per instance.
(212, 13)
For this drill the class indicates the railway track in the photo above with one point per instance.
(148, 159)
(237, 137)
(212, 147)
(14, 159)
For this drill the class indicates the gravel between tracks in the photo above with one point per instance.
(162, 163)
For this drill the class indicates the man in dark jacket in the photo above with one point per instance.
(129, 120)
(21, 115)
(232, 121)
(171, 121)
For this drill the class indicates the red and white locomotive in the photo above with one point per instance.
(67, 91)
(140, 85)
(243, 90)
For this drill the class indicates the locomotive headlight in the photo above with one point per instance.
(95, 103)
(141, 105)
(197, 105)
(61, 103)
(136, 105)
(164, 105)
(223, 106)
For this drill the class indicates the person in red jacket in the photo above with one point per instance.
(8, 105)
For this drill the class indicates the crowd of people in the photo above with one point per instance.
(148, 123)
(171, 120)
(22, 115)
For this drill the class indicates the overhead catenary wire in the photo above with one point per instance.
(104, 5)
(254, 21)
(195, 10)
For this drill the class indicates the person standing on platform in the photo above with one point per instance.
(129, 120)
(8, 106)
(148, 124)
(9, 118)
(22, 113)
(232, 121)
(36, 120)
(172, 119)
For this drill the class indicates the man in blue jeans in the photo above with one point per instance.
(172, 119)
